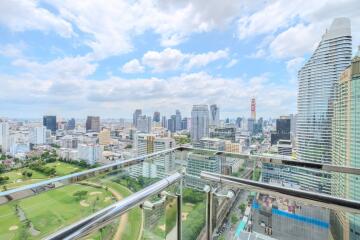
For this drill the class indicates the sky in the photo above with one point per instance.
(77, 58)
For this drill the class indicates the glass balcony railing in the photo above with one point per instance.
(188, 193)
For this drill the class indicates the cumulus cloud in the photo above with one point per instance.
(295, 26)
(21, 15)
(133, 66)
(168, 59)
(232, 63)
(68, 68)
(201, 60)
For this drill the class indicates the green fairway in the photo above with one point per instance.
(9, 224)
(133, 226)
(53, 210)
(63, 168)
(16, 178)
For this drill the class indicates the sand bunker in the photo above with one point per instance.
(162, 227)
(184, 215)
(95, 193)
(13, 228)
(19, 174)
(107, 199)
(84, 203)
(58, 164)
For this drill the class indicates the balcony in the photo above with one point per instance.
(187, 193)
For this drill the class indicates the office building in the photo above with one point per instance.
(284, 147)
(4, 137)
(104, 137)
(93, 124)
(184, 123)
(37, 135)
(71, 124)
(144, 124)
(156, 117)
(178, 120)
(250, 125)
(238, 122)
(346, 146)
(214, 115)
(159, 166)
(225, 133)
(136, 115)
(90, 153)
(283, 129)
(50, 123)
(199, 122)
(172, 123)
(316, 92)
(164, 122)
(253, 108)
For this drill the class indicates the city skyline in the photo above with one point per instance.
(77, 69)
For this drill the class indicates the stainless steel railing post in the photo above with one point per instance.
(209, 214)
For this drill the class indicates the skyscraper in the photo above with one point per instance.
(316, 92)
(71, 124)
(50, 123)
(172, 123)
(253, 108)
(178, 120)
(156, 117)
(4, 137)
(144, 124)
(283, 129)
(199, 122)
(346, 145)
(164, 123)
(93, 124)
(136, 115)
(214, 115)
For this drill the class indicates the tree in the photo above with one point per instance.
(2, 168)
(242, 207)
(234, 218)
(80, 194)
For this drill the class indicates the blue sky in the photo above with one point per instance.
(78, 58)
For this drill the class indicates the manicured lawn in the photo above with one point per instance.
(134, 216)
(16, 178)
(9, 221)
(55, 209)
(63, 168)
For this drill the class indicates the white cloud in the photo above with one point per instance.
(173, 59)
(232, 63)
(296, 26)
(168, 59)
(21, 15)
(201, 60)
(295, 41)
(133, 66)
(12, 50)
(293, 66)
(68, 68)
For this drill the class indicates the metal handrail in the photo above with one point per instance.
(35, 188)
(109, 214)
(317, 199)
(279, 160)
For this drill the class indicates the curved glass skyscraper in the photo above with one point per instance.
(316, 92)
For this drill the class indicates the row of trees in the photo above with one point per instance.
(40, 167)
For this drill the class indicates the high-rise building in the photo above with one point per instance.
(178, 120)
(90, 153)
(164, 123)
(199, 122)
(283, 128)
(172, 123)
(4, 137)
(93, 124)
(160, 166)
(156, 117)
(253, 108)
(104, 137)
(71, 124)
(184, 123)
(144, 124)
(346, 146)
(214, 115)
(50, 123)
(316, 92)
(238, 122)
(225, 133)
(136, 115)
(37, 135)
